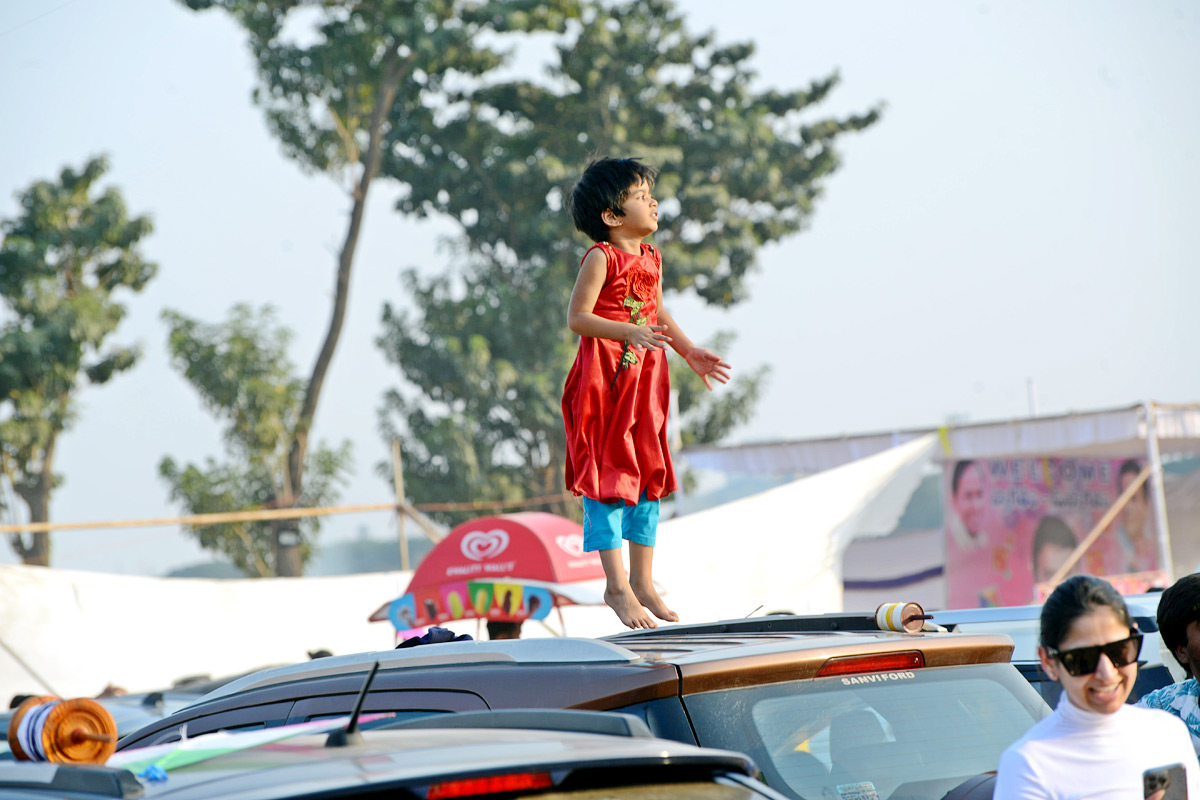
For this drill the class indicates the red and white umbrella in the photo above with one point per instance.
(510, 567)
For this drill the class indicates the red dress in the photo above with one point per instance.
(616, 398)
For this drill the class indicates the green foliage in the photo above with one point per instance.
(323, 65)
(241, 371)
(488, 344)
(63, 262)
(342, 83)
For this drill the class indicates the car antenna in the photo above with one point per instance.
(756, 608)
(350, 735)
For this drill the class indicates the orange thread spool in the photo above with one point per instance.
(79, 731)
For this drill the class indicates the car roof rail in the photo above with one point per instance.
(77, 778)
(612, 723)
(953, 619)
(557, 650)
(774, 623)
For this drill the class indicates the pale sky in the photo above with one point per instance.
(1021, 213)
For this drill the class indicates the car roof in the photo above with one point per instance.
(619, 671)
(1022, 625)
(1144, 608)
(546, 651)
(429, 755)
(305, 764)
(743, 640)
(745, 650)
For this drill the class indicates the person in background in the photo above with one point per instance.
(967, 494)
(976, 565)
(1093, 745)
(1139, 549)
(1053, 542)
(503, 630)
(1179, 626)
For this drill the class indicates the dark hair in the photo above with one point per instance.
(1052, 530)
(501, 629)
(1179, 605)
(1134, 468)
(605, 187)
(959, 468)
(1075, 597)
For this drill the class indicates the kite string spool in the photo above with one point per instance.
(904, 617)
(48, 728)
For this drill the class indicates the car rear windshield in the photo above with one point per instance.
(657, 791)
(912, 734)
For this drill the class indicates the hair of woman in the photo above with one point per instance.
(1075, 597)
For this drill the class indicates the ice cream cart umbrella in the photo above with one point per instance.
(510, 567)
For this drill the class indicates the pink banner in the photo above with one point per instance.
(1011, 523)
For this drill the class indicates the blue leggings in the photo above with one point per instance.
(605, 524)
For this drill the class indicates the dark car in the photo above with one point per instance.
(818, 702)
(554, 755)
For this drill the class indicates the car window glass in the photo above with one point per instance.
(249, 718)
(914, 734)
(391, 718)
(425, 701)
(1149, 679)
(662, 791)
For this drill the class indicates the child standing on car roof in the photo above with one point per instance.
(617, 393)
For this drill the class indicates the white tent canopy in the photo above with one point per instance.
(1152, 432)
(1106, 433)
(782, 549)
(72, 632)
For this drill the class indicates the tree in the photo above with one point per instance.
(343, 83)
(486, 350)
(64, 262)
(243, 376)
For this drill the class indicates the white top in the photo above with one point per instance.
(1076, 753)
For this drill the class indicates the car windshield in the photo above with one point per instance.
(913, 735)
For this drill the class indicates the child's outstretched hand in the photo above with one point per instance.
(707, 364)
(648, 336)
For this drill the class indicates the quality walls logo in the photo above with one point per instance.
(478, 545)
(571, 544)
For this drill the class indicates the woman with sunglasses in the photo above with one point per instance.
(1093, 745)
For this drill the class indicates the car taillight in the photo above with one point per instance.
(494, 784)
(885, 662)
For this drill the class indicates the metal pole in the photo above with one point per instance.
(398, 483)
(1160, 496)
(1133, 488)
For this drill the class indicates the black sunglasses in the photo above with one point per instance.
(1084, 660)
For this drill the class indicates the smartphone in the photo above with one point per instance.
(1165, 783)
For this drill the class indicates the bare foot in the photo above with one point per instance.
(628, 609)
(647, 595)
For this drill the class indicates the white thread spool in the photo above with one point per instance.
(902, 617)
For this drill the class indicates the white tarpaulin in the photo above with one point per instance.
(1117, 432)
(70, 632)
(782, 549)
